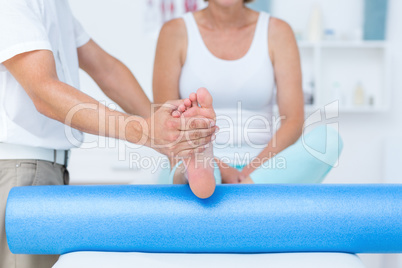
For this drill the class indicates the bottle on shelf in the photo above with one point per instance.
(329, 35)
(359, 95)
(315, 29)
(308, 89)
(371, 101)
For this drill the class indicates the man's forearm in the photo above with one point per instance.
(36, 73)
(76, 109)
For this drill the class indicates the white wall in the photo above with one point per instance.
(118, 27)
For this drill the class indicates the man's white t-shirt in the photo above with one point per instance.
(29, 25)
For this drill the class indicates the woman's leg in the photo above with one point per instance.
(178, 174)
(199, 169)
(304, 162)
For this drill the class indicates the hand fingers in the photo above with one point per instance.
(176, 114)
(200, 133)
(189, 139)
(173, 105)
(191, 152)
(195, 146)
(197, 123)
(198, 142)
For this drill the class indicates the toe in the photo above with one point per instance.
(182, 108)
(188, 103)
(204, 98)
(193, 99)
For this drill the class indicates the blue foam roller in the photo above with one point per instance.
(236, 219)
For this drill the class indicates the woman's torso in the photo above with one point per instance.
(242, 89)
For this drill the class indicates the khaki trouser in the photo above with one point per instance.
(26, 173)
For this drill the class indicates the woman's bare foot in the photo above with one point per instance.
(200, 167)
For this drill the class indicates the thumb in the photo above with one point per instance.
(172, 105)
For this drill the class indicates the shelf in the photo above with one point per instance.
(346, 64)
(310, 109)
(361, 44)
(343, 44)
(357, 110)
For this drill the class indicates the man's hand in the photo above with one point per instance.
(178, 137)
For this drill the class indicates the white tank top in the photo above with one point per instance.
(242, 90)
